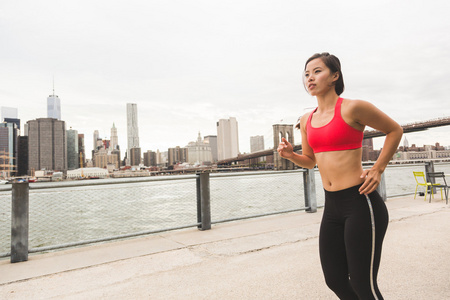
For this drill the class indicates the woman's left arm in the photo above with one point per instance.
(367, 114)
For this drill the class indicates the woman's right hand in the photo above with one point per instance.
(285, 149)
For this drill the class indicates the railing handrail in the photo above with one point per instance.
(76, 183)
(251, 173)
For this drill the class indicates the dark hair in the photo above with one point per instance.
(332, 63)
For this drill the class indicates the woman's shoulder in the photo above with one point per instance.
(304, 119)
(306, 115)
(357, 111)
(356, 105)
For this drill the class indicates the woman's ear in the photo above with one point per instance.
(335, 76)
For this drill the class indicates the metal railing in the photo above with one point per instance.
(45, 218)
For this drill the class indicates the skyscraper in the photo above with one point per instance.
(81, 151)
(150, 158)
(8, 148)
(135, 156)
(73, 159)
(132, 126)
(177, 155)
(256, 143)
(47, 148)
(212, 141)
(94, 141)
(227, 138)
(53, 106)
(114, 138)
(22, 155)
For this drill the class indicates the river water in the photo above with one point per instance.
(60, 215)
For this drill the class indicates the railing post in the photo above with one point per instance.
(203, 201)
(199, 200)
(309, 186)
(381, 188)
(429, 168)
(19, 222)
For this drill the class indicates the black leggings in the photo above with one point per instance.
(348, 261)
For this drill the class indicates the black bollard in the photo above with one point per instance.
(19, 222)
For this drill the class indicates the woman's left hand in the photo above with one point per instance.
(372, 180)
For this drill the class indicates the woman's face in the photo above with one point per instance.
(318, 78)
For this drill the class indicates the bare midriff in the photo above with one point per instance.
(340, 169)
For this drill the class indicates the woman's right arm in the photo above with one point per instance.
(304, 160)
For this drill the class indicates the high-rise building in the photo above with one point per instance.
(199, 152)
(22, 155)
(54, 106)
(114, 138)
(81, 150)
(150, 158)
(96, 137)
(177, 155)
(116, 153)
(13, 120)
(8, 149)
(103, 158)
(212, 141)
(227, 138)
(256, 143)
(25, 129)
(47, 148)
(73, 159)
(161, 158)
(98, 144)
(135, 156)
(132, 126)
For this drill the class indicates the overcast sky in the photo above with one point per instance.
(188, 64)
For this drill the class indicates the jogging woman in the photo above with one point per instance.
(355, 217)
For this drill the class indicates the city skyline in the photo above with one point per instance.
(115, 139)
(417, 137)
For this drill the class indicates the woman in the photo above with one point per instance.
(355, 217)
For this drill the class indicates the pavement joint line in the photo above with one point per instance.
(417, 215)
(274, 246)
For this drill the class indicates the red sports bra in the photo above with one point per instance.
(337, 135)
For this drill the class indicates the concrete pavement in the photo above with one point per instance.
(272, 257)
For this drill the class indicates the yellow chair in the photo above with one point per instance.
(421, 181)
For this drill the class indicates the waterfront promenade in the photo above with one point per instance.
(273, 257)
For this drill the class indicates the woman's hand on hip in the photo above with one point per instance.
(372, 178)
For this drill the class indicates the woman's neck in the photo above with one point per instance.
(327, 102)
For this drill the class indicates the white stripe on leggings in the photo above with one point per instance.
(372, 218)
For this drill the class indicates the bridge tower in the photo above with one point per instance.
(282, 131)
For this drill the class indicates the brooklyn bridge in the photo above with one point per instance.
(286, 131)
